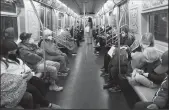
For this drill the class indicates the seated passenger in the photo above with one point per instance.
(53, 53)
(124, 40)
(32, 56)
(13, 87)
(146, 75)
(16, 67)
(160, 100)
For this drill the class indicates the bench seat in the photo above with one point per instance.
(145, 94)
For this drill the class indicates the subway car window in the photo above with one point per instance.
(8, 6)
(158, 26)
(49, 19)
(9, 27)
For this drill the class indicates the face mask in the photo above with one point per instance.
(31, 41)
(12, 56)
(144, 46)
(50, 37)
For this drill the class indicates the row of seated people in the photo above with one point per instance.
(25, 79)
(140, 61)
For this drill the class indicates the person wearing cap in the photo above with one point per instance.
(160, 100)
(53, 53)
(31, 55)
(145, 75)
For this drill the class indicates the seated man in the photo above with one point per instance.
(32, 56)
(53, 53)
(160, 100)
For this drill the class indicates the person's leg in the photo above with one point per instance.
(141, 105)
(27, 101)
(112, 81)
(39, 84)
(62, 61)
(145, 81)
(66, 58)
(106, 62)
(37, 96)
(51, 70)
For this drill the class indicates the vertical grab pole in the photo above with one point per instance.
(118, 35)
(41, 24)
(84, 16)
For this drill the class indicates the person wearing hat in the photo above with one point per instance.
(33, 57)
(54, 54)
(160, 100)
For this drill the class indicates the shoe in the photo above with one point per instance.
(54, 106)
(115, 89)
(108, 85)
(62, 74)
(67, 69)
(104, 74)
(97, 52)
(101, 69)
(55, 88)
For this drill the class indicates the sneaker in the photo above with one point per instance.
(54, 106)
(55, 88)
(62, 74)
(115, 89)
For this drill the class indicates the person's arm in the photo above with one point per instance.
(28, 56)
(162, 95)
(156, 78)
(48, 49)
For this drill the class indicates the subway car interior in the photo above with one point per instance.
(84, 54)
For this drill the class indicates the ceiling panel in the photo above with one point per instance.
(92, 6)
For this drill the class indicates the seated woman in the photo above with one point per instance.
(53, 53)
(147, 40)
(33, 57)
(13, 87)
(16, 67)
(144, 69)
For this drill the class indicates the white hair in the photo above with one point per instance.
(151, 54)
(47, 32)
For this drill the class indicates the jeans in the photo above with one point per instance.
(51, 67)
(61, 59)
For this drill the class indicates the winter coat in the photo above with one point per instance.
(161, 96)
(30, 54)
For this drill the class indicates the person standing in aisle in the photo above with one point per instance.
(90, 30)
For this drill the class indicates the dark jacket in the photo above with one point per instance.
(149, 68)
(161, 96)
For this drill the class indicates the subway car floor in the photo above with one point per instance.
(83, 87)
